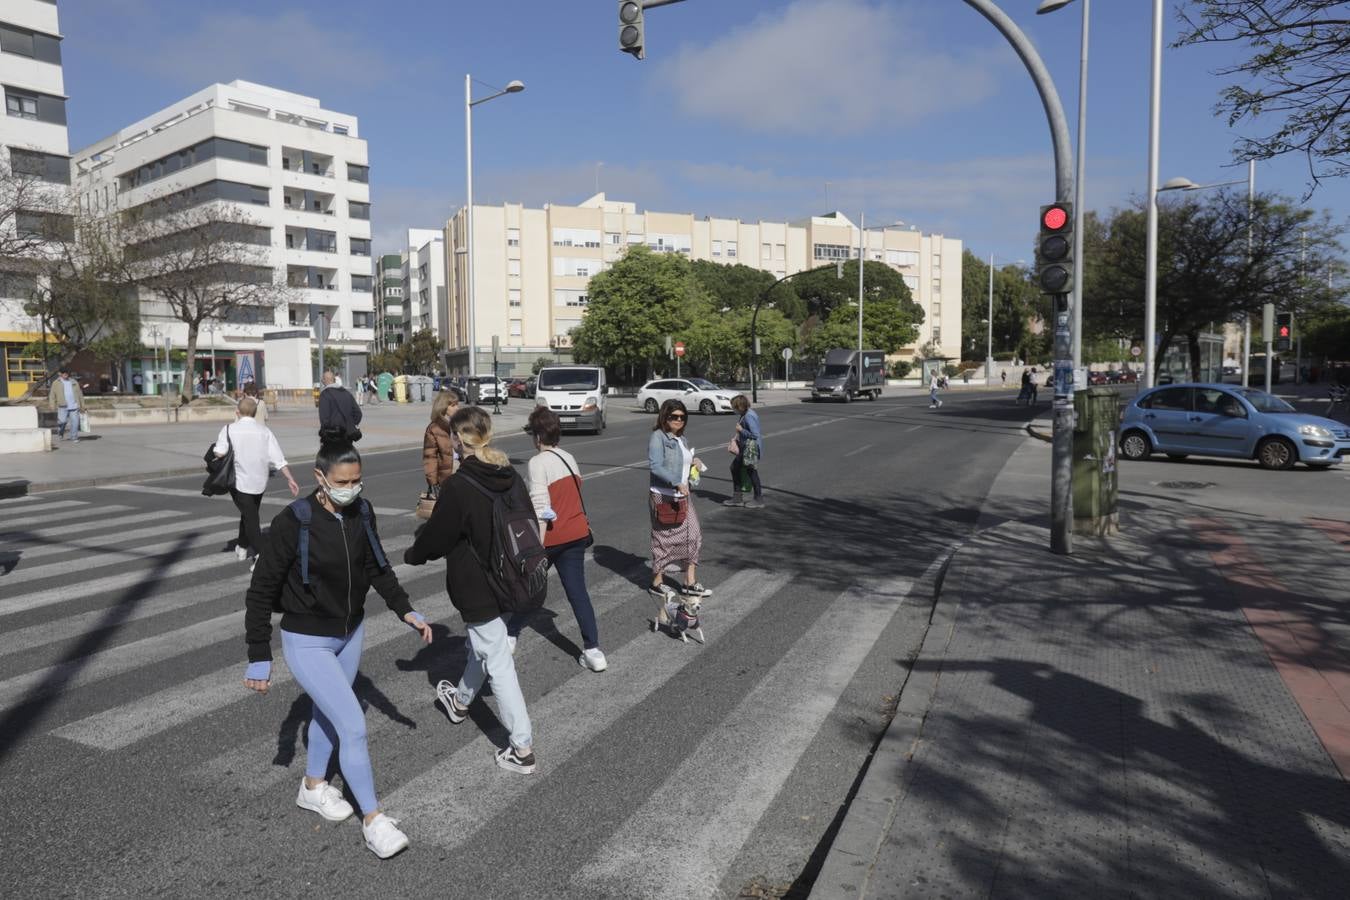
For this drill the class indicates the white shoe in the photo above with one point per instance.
(511, 643)
(383, 837)
(593, 659)
(240, 553)
(325, 800)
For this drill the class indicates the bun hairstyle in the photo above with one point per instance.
(473, 427)
(335, 452)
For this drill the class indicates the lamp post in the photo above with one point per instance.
(513, 87)
(989, 337)
(1151, 228)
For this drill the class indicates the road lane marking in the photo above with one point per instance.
(719, 793)
(862, 449)
(55, 512)
(197, 495)
(189, 540)
(30, 537)
(120, 537)
(456, 797)
(913, 428)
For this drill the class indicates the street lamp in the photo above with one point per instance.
(514, 87)
(1049, 6)
(989, 345)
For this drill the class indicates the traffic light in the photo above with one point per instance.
(1054, 250)
(630, 28)
(1284, 331)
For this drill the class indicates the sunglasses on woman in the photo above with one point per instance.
(677, 417)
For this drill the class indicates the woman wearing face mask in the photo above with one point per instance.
(321, 595)
(439, 459)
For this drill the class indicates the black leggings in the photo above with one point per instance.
(250, 529)
(739, 469)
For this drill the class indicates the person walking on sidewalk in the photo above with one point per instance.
(256, 455)
(67, 399)
(251, 390)
(934, 384)
(1032, 387)
(555, 489)
(322, 557)
(439, 459)
(670, 458)
(461, 530)
(748, 445)
(339, 415)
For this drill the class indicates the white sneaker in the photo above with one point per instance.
(240, 553)
(511, 642)
(383, 837)
(593, 659)
(325, 800)
(448, 696)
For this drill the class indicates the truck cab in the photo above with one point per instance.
(846, 374)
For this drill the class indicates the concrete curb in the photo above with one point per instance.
(853, 853)
(1031, 430)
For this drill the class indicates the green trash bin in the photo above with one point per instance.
(1096, 423)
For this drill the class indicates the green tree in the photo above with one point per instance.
(384, 361)
(539, 364)
(740, 287)
(888, 325)
(823, 290)
(1016, 302)
(1294, 82)
(420, 354)
(719, 346)
(332, 358)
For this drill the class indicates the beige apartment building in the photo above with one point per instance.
(532, 268)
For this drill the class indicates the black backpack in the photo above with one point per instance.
(517, 566)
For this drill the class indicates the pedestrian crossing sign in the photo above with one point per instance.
(245, 374)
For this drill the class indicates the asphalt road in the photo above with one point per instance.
(133, 761)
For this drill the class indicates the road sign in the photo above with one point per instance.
(679, 348)
(244, 361)
(787, 353)
(1136, 351)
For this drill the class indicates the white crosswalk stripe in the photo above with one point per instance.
(197, 495)
(137, 534)
(452, 800)
(60, 510)
(26, 498)
(44, 534)
(191, 539)
(736, 779)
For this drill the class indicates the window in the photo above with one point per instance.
(563, 297)
(937, 262)
(731, 249)
(362, 283)
(32, 44)
(358, 210)
(513, 237)
(1177, 399)
(212, 148)
(322, 241)
(360, 318)
(669, 243)
(360, 247)
(48, 226)
(937, 309)
(779, 251)
(575, 237)
(339, 129)
(18, 286)
(911, 282)
(45, 166)
(716, 248)
(513, 298)
(515, 328)
(636, 237)
(577, 267)
(358, 173)
(902, 257)
(563, 327)
(513, 268)
(937, 285)
(937, 334)
(613, 238)
(831, 251)
(21, 104)
(767, 251)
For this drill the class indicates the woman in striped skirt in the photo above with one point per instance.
(671, 459)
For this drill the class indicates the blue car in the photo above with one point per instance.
(1230, 421)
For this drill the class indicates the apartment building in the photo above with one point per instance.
(34, 150)
(300, 174)
(532, 268)
(410, 290)
(389, 301)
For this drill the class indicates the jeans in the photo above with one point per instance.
(250, 529)
(325, 668)
(67, 418)
(490, 658)
(740, 473)
(570, 561)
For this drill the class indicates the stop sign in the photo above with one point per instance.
(679, 348)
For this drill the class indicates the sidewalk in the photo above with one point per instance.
(142, 451)
(1163, 715)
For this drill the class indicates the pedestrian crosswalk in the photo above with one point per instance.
(112, 592)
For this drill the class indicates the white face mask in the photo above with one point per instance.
(341, 496)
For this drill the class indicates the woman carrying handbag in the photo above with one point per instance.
(676, 534)
(746, 447)
(439, 459)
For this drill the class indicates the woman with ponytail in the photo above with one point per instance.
(460, 529)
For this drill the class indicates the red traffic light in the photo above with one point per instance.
(1284, 331)
(1054, 218)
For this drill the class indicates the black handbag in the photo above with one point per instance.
(219, 469)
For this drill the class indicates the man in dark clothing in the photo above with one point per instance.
(339, 414)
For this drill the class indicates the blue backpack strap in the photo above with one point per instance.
(300, 508)
(368, 520)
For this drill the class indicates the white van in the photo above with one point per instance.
(576, 394)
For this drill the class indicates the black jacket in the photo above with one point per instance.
(339, 411)
(463, 515)
(342, 570)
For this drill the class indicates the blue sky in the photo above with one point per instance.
(912, 110)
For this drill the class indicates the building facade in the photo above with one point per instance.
(532, 268)
(299, 173)
(410, 291)
(35, 161)
(388, 293)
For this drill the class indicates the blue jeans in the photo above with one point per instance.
(68, 423)
(325, 668)
(570, 561)
(490, 658)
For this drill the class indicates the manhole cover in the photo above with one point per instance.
(1185, 485)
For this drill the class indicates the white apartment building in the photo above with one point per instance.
(299, 172)
(34, 147)
(532, 268)
(410, 290)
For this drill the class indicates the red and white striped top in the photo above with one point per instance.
(552, 485)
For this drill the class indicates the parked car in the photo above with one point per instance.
(520, 387)
(489, 387)
(1228, 421)
(697, 393)
(1096, 377)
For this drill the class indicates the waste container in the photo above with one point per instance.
(419, 388)
(1096, 424)
(386, 384)
(475, 391)
(401, 388)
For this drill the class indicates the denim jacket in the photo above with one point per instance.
(666, 460)
(750, 429)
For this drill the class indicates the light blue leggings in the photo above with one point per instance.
(326, 667)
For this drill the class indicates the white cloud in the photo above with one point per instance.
(826, 66)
